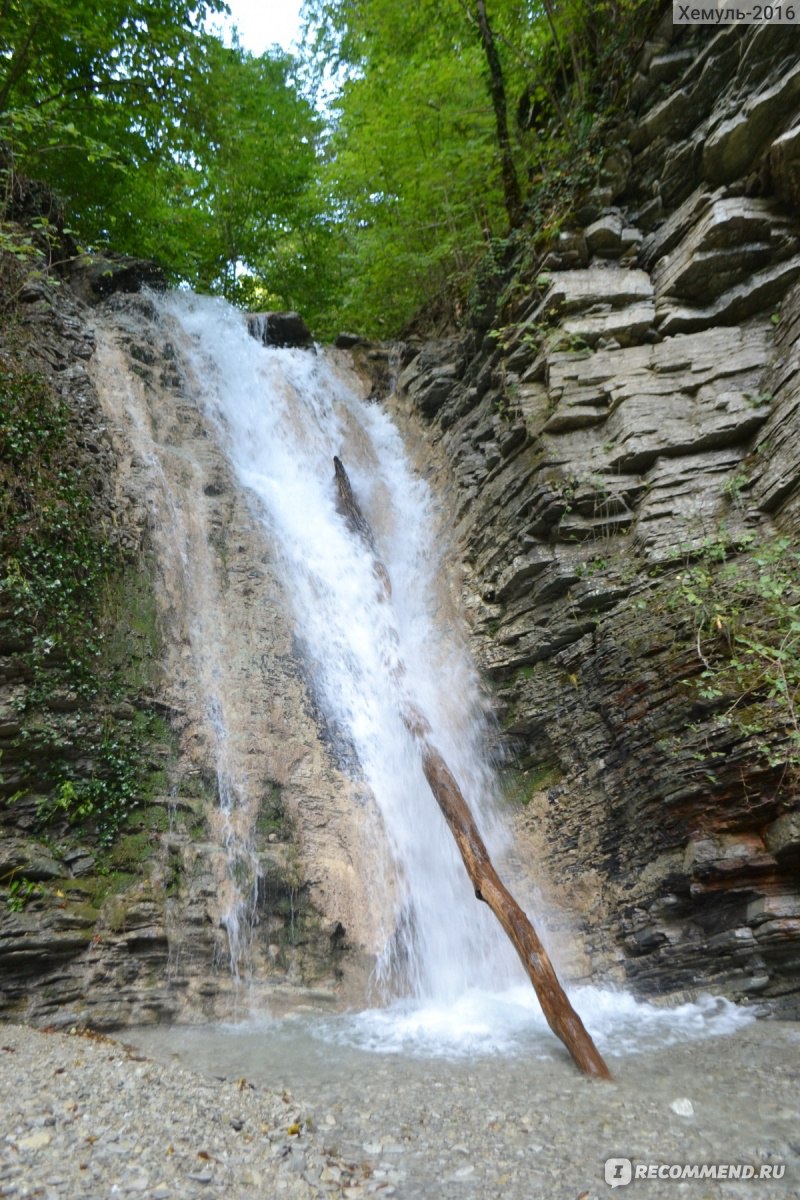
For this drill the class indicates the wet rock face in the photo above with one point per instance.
(94, 277)
(269, 892)
(631, 434)
(279, 329)
(134, 932)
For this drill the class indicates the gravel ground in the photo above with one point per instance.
(85, 1117)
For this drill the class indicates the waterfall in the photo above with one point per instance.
(288, 668)
(280, 416)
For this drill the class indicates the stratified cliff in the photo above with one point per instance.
(618, 434)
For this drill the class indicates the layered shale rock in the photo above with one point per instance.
(619, 452)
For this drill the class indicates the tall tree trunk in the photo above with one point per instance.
(561, 1016)
(511, 192)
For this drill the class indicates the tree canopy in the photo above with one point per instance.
(454, 120)
(163, 141)
(445, 122)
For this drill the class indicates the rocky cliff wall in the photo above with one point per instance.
(112, 874)
(616, 434)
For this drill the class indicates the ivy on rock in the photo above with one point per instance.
(84, 763)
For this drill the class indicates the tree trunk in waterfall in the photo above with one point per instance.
(511, 193)
(561, 1017)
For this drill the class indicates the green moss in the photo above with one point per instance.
(114, 883)
(83, 621)
(132, 631)
(155, 818)
(174, 875)
(272, 817)
(54, 555)
(519, 786)
(510, 716)
(84, 912)
(196, 787)
(131, 851)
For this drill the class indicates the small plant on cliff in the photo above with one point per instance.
(745, 618)
(20, 892)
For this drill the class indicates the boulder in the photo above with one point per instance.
(783, 836)
(604, 235)
(279, 329)
(346, 341)
(93, 277)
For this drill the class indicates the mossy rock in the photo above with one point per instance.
(521, 785)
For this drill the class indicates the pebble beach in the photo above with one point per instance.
(85, 1117)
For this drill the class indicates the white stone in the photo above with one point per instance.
(36, 1141)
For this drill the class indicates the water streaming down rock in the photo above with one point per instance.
(183, 539)
(281, 416)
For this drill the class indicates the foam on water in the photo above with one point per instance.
(498, 1023)
(478, 1025)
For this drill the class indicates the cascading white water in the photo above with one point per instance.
(281, 416)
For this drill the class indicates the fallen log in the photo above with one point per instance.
(559, 1013)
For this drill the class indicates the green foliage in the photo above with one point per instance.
(83, 84)
(412, 170)
(745, 619)
(167, 144)
(164, 142)
(595, 566)
(57, 569)
(20, 892)
(103, 800)
(230, 189)
(487, 280)
(52, 557)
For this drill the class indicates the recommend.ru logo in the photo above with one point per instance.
(619, 1171)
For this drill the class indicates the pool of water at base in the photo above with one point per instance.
(477, 1099)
